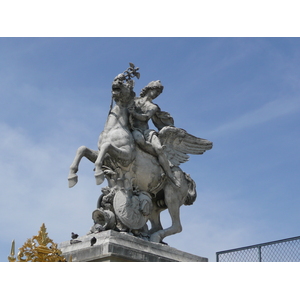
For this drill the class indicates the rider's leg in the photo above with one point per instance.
(155, 149)
(163, 159)
(142, 143)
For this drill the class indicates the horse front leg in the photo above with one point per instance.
(99, 174)
(80, 153)
(125, 153)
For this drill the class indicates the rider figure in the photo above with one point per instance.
(144, 110)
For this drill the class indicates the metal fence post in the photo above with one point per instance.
(259, 253)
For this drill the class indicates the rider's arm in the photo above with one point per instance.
(145, 116)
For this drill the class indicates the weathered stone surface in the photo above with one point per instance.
(112, 246)
(140, 164)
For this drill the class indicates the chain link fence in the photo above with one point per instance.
(287, 250)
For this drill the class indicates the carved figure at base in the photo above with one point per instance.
(134, 160)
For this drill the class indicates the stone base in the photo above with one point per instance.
(112, 246)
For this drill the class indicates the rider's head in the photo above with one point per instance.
(153, 85)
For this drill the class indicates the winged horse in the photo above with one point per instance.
(117, 147)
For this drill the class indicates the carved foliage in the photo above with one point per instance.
(40, 248)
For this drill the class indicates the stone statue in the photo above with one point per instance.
(141, 165)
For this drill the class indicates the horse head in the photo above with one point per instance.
(122, 90)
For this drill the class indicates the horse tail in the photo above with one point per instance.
(192, 193)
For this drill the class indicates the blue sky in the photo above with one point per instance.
(240, 93)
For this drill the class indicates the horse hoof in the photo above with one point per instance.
(99, 178)
(72, 180)
(155, 238)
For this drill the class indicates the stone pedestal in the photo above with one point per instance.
(112, 246)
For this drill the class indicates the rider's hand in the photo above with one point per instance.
(131, 109)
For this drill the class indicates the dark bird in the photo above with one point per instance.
(74, 235)
(93, 241)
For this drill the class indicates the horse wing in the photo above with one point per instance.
(178, 144)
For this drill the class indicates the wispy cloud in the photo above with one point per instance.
(268, 112)
(34, 189)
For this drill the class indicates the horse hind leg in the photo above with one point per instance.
(155, 221)
(80, 153)
(174, 198)
(176, 227)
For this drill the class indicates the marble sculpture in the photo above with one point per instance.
(140, 164)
